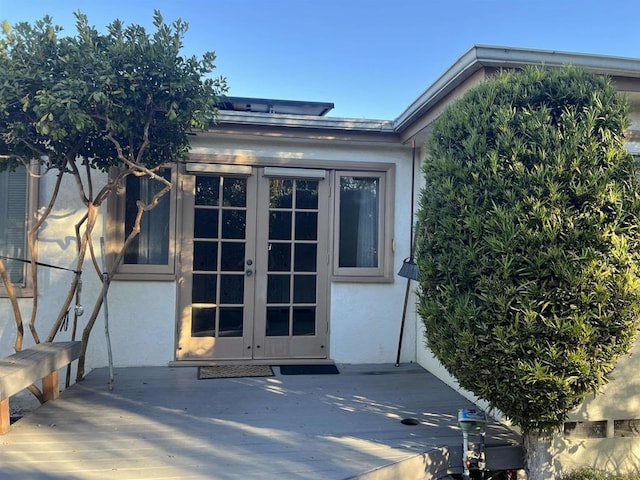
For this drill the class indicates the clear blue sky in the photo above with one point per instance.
(371, 58)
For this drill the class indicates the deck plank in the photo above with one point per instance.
(164, 423)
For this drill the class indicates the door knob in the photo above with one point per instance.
(248, 272)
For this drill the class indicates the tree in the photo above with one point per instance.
(124, 100)
(528, 245)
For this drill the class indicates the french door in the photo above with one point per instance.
(254, 264)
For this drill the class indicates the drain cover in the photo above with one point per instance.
(409, 421)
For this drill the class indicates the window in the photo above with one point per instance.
(17, 202)
(362, 242)
(151, 253)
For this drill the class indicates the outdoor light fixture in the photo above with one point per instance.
(409, 269)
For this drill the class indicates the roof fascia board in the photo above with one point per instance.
(303, 121)
(482, 56)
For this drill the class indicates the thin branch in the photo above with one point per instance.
(90, 224)
(14, 304)
(32, 238)
(71, 161)
(106, 283)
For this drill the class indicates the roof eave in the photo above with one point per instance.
(303, 121)
(482, 56)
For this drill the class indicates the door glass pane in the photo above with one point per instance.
(204, 288)
(230, 322)
(234, 223)
(231, 289)
(232, 257)
(304, 321)
(306, 195)
(280, 226)
(280, 193)
(277, 321)
(306, 225)
(203, 322)
(205, 256)
(207, 190)
(305, 257)
(279, 257)
(205, 223)
(278, 289)
(304, 289)
(234, 192)
(359, 213)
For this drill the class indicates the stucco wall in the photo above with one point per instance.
(365, 317)
(619, 400)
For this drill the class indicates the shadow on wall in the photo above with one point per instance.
(614, 456)
(602, 433)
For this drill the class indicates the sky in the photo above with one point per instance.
(371, 58)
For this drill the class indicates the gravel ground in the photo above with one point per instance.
(21, 404)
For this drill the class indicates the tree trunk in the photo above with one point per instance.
(537, 455)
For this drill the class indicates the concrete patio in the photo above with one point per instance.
(164, 423)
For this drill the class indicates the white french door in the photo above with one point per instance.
(254, 265)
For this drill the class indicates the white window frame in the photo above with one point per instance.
(383, 272)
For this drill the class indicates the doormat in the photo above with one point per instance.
(234, 371)
(308, 369)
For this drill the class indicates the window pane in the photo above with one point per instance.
(304, 321)
(13, 207)
(204, 288)
(280, 193)
(205, 256)
(306, 226)
(307, 194)
(280, 226)
(234, 192)
(279, 257)
(359, 216)
(231, 289)
(151, 245)
(203, 322)
(205, 223)
(230, 322)
(277, 321)
(305, 257)
(304, 289)
(207, 191)
(232, 257)
(234, 223)
(278, 289)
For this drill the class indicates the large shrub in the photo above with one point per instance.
(529, 241)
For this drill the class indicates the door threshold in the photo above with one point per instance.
(271, 361)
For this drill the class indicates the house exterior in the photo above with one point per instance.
(281, 242)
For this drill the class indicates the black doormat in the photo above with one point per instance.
(234, 371)
(308, 369)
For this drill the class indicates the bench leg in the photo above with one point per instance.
(5, 419)
(50, 386)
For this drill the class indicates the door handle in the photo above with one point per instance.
(248, 272)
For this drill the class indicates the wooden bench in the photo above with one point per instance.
(28, 366)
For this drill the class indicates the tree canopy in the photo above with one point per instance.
(528, 241)
(88, 102)
(100, 95)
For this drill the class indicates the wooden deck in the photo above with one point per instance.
(164, 423)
